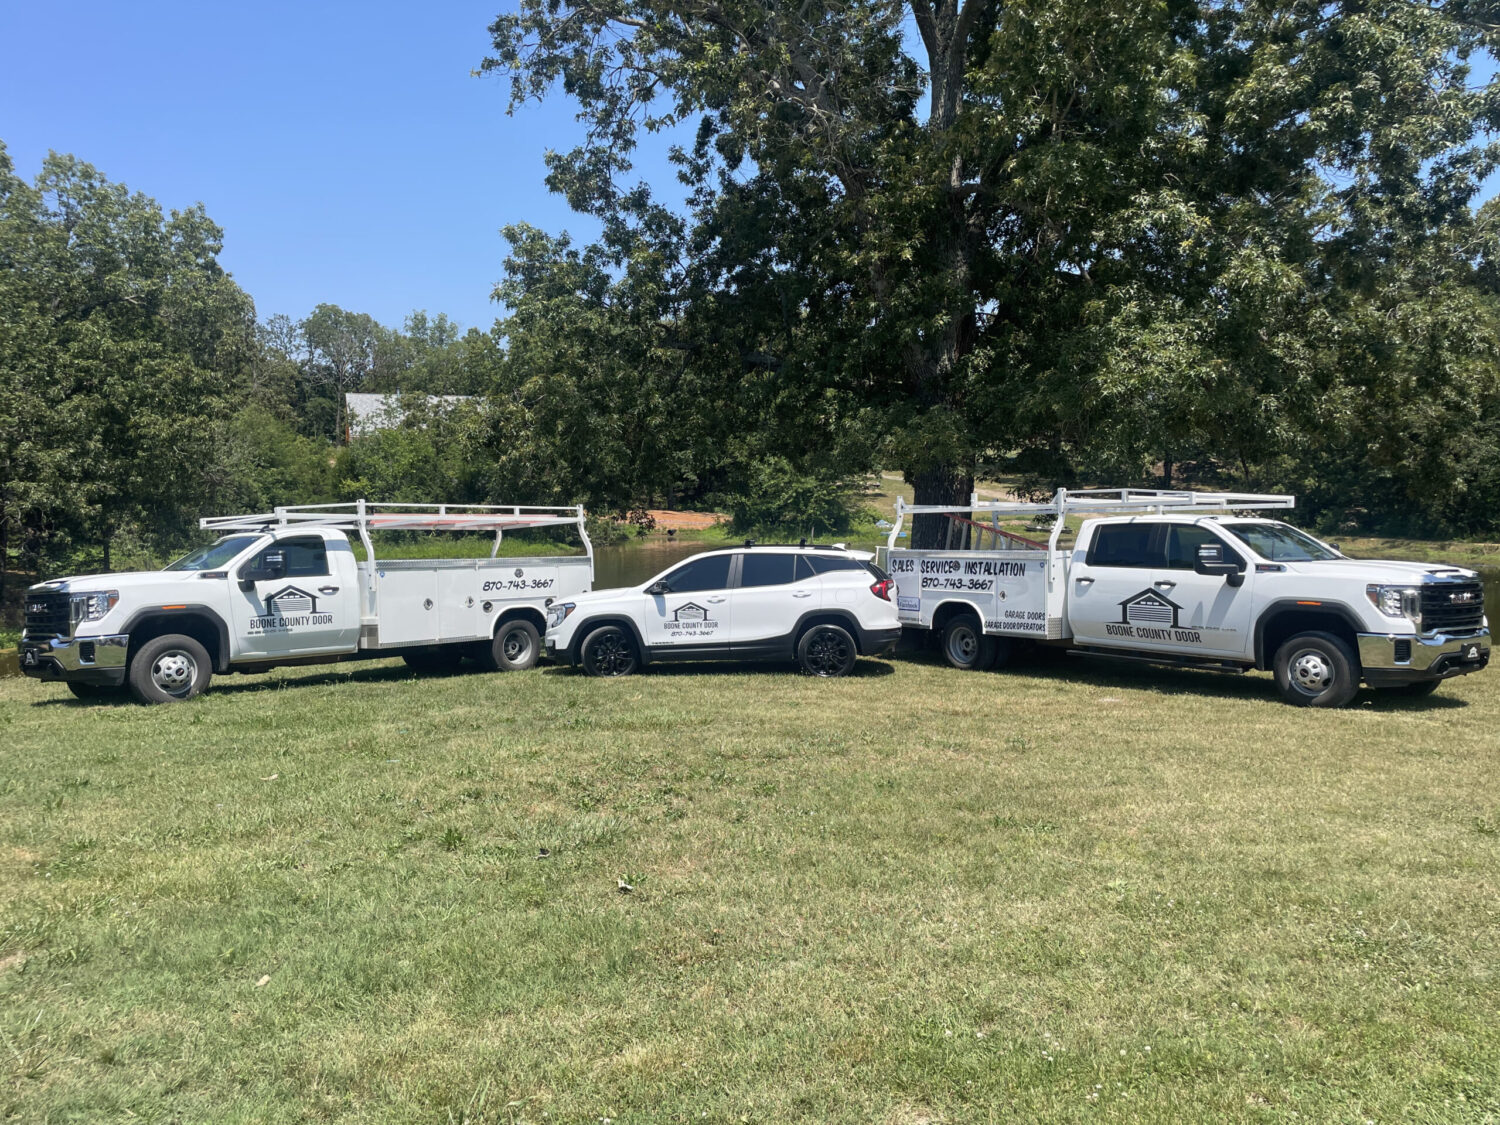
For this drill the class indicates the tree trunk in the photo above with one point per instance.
(938, 484)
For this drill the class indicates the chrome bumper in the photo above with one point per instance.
(1416, 657)
(85, 659)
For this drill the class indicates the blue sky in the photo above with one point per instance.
(344, 148)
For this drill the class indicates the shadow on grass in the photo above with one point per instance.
(1165, 679)
(864, 669)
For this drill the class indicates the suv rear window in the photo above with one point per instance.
(809, 565)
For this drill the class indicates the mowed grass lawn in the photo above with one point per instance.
(1066, 893)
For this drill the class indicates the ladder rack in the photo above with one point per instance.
(364, 517)
(1099, 500)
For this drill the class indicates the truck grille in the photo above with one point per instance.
(48, 615)
(1450, 607)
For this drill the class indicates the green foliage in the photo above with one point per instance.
(1133, 237)
(775, 496)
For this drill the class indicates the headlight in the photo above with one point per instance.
(1397, 601)
(558, 612)
(91, 607)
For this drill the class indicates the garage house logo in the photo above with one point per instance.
(290, 607)
(1151, 616)
(690, 620)
(1148, 608)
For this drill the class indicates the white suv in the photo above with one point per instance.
(825, 606)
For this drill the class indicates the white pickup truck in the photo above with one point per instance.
(285, 587)
(1171, 577)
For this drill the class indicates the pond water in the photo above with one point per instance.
(631, 564)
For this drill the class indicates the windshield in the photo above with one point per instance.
(1280, 542)
(215, 555)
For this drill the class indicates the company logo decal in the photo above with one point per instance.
(1151, 616)
(287, 610)
(910, 605)
(689, 621)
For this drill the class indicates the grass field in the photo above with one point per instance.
(916, 895)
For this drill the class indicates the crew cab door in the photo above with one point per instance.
(688, 608)
(1213, 614)
(1113, 601)
(768, 601)
(296, 596)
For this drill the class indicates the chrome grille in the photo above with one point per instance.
(48, 615)
(1449, 607)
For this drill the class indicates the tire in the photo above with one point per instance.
(92, 691)
(609, 651)
(447, 658)
(827, 651)
(995, 652)
(1413, 691)
(168, 669)
(517, 646)
(1316, 670)
(963, 642)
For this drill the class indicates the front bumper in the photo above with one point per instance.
(555, 651)
(1397, 658)
(76, 660)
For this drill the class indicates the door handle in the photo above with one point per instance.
(328, 589)
(1164, 583)
(1084, 579)
(803, 594)
(715, 601)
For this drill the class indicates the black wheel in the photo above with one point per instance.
(517, 645)
(1316, 670)
(827, 650)
(168, 669)
(963, 642)
(443, 659)
(1413, 691)
(92, 691)
(609, 651)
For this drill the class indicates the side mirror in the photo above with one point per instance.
(1210, 560)
(656, 589)
(273, 567)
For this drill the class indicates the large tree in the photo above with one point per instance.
(120, 338)
(1096, 225)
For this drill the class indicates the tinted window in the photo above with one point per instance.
(825, 564)
(305, 558)
(710, 573)
(1124, 544)
(1183, 541)
(766, 569)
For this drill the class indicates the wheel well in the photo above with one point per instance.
(1277, 628)
(948, 611)
(581, 634)
(526, 613)
(202, 628)
(826, 617)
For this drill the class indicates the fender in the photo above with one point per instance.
(974, 609)
(1294, 605)
(195, 611)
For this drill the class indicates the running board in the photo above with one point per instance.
(1169, 661)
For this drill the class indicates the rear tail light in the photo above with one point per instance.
(882, 589)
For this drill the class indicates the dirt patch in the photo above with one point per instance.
(12, 961)
(684, 521)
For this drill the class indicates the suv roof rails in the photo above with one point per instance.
(751, 544)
